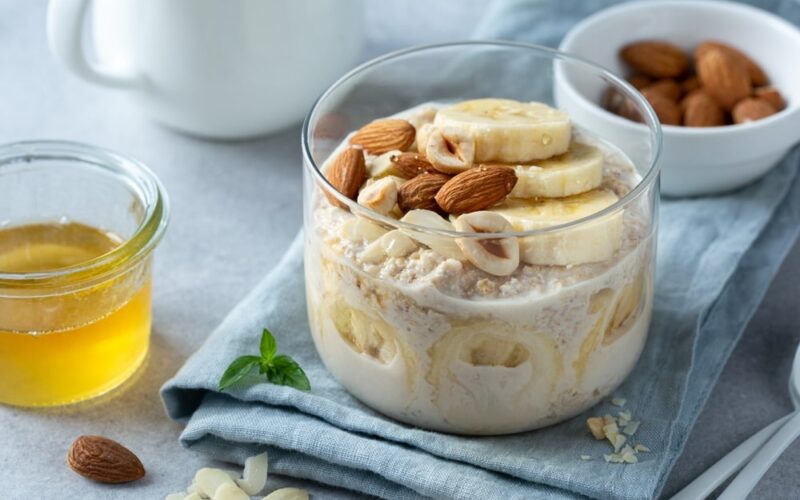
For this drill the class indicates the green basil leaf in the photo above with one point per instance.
(285, 371)
(269, 346)
(240, 367)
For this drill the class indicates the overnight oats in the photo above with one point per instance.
(474, 270)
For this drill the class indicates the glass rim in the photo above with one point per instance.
(652, 124)
(133, 249)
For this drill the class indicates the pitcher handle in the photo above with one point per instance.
(65, 26)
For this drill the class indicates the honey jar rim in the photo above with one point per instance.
(131, 251)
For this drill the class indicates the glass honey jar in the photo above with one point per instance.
(78, 226)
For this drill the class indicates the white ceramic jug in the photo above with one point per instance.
(216, 68)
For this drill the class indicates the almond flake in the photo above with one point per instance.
(619, 441)
(586, 457)
(631, 428)
(641, 448)
(619, 401)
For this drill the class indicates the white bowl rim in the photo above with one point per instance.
(765, 16)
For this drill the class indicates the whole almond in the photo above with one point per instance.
(410, 165)
(382, 136)
(620, 105)
(667, 87)
(656, 59)
(104, 460)
(752, 109)
(689, 84)
(640, 81)
(701, 110)
(476, 189)
(667, 110)
(757, 75)
(347, 173)
(771, 95)
(420, 192)
(723, 77)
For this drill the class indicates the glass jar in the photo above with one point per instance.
(78, 225)
(426, 337)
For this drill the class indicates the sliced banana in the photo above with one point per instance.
(578, 170)
(593, 241)
(509, 131)
(443, 245)
(497, 256)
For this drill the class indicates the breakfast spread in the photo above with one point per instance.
(724, 85)
(475, 272)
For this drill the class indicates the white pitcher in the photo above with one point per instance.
(215, 68)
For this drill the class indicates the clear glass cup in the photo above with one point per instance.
(79, 325)
(428, 338)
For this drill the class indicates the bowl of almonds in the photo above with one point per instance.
(722, 77)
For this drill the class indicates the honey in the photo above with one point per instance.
(61, 345)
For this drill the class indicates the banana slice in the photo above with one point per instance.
(589, 242)
(510, 131)
(578, 170)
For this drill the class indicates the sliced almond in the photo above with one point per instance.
(752, 109)
(382, 165)
(382, 136)
(347, 173)
(420, 192)
(450, 149)
(443, 245)
(359, 228)
(725, 79)
(395, 243)
(497, 256)
(379, 196)
(595, 425)
(476, 189)
(410, 165)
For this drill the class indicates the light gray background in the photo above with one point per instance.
(236, 207)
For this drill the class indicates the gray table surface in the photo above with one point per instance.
(236, 207)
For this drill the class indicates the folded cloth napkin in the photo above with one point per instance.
(716, 258)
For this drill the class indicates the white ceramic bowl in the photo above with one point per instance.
(695, 160)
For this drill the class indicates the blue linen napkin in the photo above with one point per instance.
(716, 258)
